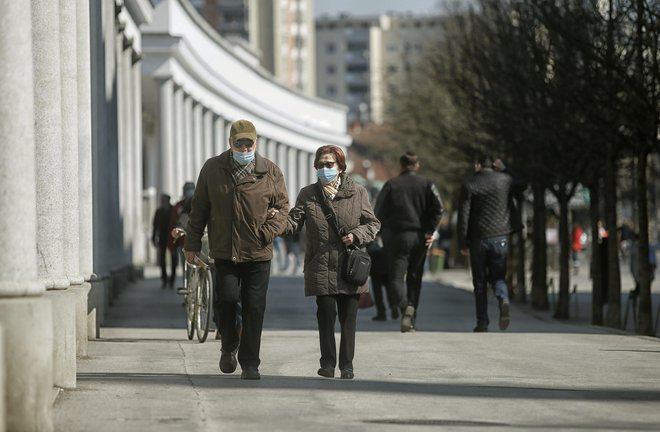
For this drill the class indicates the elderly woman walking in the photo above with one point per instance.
(337, 215)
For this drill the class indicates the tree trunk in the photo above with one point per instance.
(521, 294)
(596, 267)
(645, 316)
(564, 249)
(539, 258)
(613, 313)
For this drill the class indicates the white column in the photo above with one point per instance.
(189, 137)
(312, 170)
(219, 135)
(262, 147)
(69, 76)
(197, 140)
(48, 139)
(291, 174)
(208, 134)
(179, 140)
(165, 138)
(282, 160)
(27, 366)
(303, 171)
(85, 227)
(272, 150)
(141, 241)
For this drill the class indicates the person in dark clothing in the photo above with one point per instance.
(485, 220)
(378, 275)
(409, 208)
(159, 237)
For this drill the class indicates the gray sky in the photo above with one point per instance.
(375, 7)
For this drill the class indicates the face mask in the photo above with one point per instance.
(243, 158)
(326, 175)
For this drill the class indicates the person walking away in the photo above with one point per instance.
(485, 221)
(378, 276)
(576, 247)
(337, 215)
(179, 219)
(234, 193)
(410, 208)
(160, 238)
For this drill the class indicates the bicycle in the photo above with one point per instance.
(198, 294)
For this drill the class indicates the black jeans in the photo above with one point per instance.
(488, 261)
(406, 254)
(162, 250)
(246, 282)
(326, 312)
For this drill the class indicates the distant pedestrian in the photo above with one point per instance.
(179, 219)
(234, 194)
(379, 282)
(337, 215)
(576, 247)
(410, 209)
(160, 238)
(485, 221)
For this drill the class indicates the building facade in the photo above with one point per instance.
(361, 60)
(281, 33)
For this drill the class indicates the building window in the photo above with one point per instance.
(356, 68)
(391, 69)
(357, 88)
(330, 69)
(330, 48)
(330, 90)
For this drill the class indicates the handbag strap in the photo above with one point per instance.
(327, 211)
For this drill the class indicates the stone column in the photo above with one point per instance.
(188, 138)
(219, 135)
(86, 253)
(165, 138)
(207, 121)
(141, 240)
(312, 170)
(48, 138)
(303, 171)
(197, 152)
(272, 150)
(26, 386)
(290, 174)
(179, 140)
(69, 76)
(282, 161)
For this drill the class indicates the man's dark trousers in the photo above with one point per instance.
(488, 261)
(246, 282)
(406, 251)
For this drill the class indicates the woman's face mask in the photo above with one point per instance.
(243, 158)
(326, 175)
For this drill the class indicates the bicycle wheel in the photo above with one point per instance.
(190, 300)
(204, 304)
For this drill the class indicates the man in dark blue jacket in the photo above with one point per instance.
(409, 208)
(485, 220)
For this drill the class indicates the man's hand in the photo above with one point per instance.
(190, 256)
(465, 251)
(428, 240)
(498, 165)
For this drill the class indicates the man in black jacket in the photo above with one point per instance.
(485, 220)
(409, 208)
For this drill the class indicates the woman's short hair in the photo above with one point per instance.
(330, 149)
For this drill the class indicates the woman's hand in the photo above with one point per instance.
(272, 212)
(347, 239)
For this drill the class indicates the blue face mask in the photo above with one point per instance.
(243, 158)
(326, 175)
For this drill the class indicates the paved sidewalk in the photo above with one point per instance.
(143, 374)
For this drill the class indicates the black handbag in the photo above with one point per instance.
(357, 263)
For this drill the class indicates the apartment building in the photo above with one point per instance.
(360, 60)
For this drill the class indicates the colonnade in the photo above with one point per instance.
(47, 192)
